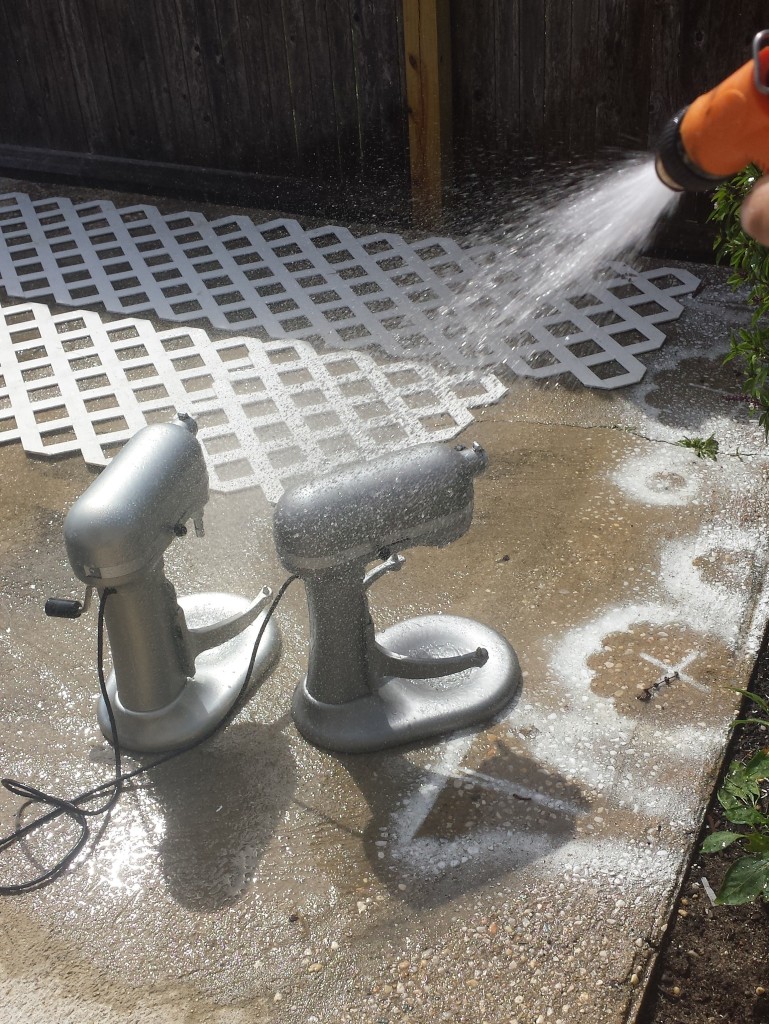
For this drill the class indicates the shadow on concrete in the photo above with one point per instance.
(696, 391)
(221, 804)
(453, 833)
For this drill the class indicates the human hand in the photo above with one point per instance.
(754, 212)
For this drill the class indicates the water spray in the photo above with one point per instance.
(722, 131)
(422, 676)
(179, 665)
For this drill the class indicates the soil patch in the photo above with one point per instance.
(714, 961)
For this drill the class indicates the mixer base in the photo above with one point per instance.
(400, 711)
(209, 695)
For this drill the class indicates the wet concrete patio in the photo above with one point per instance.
(522, 872)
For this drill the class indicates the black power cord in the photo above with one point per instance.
(74, 808)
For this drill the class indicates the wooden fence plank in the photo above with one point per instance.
(428, 87)
(21, 108)
(634, 77)
(507, 74)
(165, 28)
(198, 86)
(278, 77)
(558, 85)
(85, 71)
(266, 133)
(218, 61)
(234, 69)
(160, 41)
(168, 82)
(144, 71)
(309, 106)
(384, 38)
(377, 53)
(66, 116)
(110, 103)
(343, 82)
(610, 53)
(39, 35)
(582, 76)
(474, 53)
(533, 71)
(664, 84)
(321, 74)
(100, 36)
(121, 36)
(622, 62)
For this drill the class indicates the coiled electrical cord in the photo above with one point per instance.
(74, 808)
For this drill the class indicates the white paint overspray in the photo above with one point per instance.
(428, 856)
(578, 740)
(662, 477)
(713, 607)
(612, 863)
(591, 724)
(586, 740)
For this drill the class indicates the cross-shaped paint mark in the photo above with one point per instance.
(668, 670)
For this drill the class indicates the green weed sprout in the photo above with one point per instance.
(703, 447)
(744, 798)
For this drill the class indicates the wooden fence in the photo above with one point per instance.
(318, 92)
(289, 87)
(571, 76)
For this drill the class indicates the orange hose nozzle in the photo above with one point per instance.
(721, 132)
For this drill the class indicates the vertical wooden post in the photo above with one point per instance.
(427, 40)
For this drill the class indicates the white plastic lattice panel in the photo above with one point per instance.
(275, 276)
(270, 412)
(279, 280)
(597, 336)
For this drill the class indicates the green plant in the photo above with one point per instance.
(749, 263)
(744, 799)
(703, 447)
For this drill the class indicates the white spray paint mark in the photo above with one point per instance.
(678, 669)
(612, 861)
(715, 609)
(417, 806)
(486, 847)
(579, 742)
(589, 741)
(664, 476)
(519, 792)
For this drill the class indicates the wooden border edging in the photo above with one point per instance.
(354, 200)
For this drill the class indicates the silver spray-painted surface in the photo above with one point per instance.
(364, 692)
(174, 679)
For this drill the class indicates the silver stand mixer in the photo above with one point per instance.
(179, 665)
(423, 676)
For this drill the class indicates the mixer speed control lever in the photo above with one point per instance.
(64, 608)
